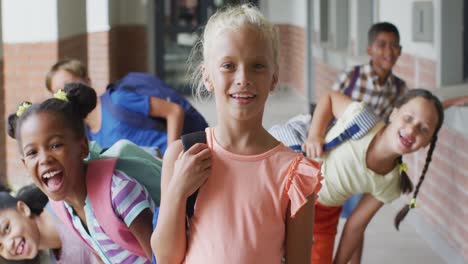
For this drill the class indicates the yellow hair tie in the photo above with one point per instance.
(60, 94)
(22, 107)
(403, 167)
(413, 203)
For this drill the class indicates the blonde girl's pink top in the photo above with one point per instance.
(241, 210)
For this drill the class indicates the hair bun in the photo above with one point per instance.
(82, 97)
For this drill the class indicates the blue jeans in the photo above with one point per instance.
(350, 204)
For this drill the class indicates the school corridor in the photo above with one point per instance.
(318, 40)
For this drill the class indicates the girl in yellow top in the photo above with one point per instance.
(255, 203)
(371, 165)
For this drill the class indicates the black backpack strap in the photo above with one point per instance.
(398, 84)
(188, 141)
(352, 82)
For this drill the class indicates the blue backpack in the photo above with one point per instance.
(149, 85)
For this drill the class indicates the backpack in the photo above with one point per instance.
(149, 85)
(133, 161)
(294, 132)
(352, 83)
(188, 141)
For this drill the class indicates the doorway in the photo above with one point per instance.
(177, 24)
(465, 40)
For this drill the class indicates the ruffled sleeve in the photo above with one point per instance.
(303, 176)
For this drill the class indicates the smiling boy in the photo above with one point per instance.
(374, 82)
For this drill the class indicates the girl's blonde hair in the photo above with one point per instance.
(72, 66)
(231, 17)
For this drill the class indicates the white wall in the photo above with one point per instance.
(1, 34)
(29, 21)
(103, 14)
(451, 48)
(71, 17)
(42, 21)
(399, 12)
(447, 45)
(316, 14)
(132, 12)
(362, 19)
(97, 14)
(291, 12)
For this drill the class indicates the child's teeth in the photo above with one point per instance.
(20, 248)
(50, 174)
(242, 96)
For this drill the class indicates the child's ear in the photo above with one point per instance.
(369, 50)
(206, 79)
(23, 208)
(275, 79)
(399, 50)
(84, 147)
(393, 114)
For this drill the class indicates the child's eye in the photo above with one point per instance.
(56, 145)
(30, 153)
(395, 46)
(407, 118)
(227, 66)
(424, 130)
(6, 228)
(382, 44)
(259, 66)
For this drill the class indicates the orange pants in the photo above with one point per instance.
(325, 228)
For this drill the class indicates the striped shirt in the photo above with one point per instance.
(129, 199)
(381, 98)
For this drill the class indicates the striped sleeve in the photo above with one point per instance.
(129, 198)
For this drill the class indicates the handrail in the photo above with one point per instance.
(455, 101)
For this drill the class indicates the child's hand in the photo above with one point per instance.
(313, 147)
(191, 169)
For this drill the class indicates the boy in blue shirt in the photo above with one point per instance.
(103, 126)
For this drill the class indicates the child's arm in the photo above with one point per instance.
(299, 233)
(142, 228)
(172, 112)
(182, 175)
(332, 105)
(355, 226)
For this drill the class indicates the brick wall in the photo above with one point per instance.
(443, 196)
(99, 60)
(114, 53)
(416, 71)
(25, 66)
(324, 77)
(109, 55)
(292, 56)
(74, 47)
(2, 129)
(293, 62)
(129, 50)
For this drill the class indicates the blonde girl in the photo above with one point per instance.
(255, 201)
